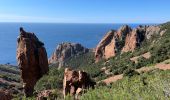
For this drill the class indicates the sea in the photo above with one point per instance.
(51, 34)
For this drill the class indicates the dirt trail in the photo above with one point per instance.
(145, 55)
(8, 82)
(113, 79)
(163, 66)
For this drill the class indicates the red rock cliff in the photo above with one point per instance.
(124, 40)
(134, 39)
(32, 60)
(65, 51)
(111, 43)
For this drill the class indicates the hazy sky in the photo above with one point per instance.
(85, 11)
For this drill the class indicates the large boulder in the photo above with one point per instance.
(5, 95)
(75, 82)
(32, 60)
(65, 51)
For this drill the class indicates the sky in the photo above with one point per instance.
(85, 11)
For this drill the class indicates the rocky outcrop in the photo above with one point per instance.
(152, 30)
(111, 43)
(106, 42)
(134, 39)
(32, 60)
(138, 35)
(75, 82)
(5, 95)
(65, 51)
(124, 40)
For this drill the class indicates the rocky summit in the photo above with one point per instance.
(124, 39)
(32, 60)
(65, 51)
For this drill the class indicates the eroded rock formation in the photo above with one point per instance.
(32, 60)
(134, 39)
(106, 42)
(75, 82)
(65, 51)
(124, 40)
(151, 30)
(111, 43)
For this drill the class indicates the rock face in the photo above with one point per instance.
(5, 95)
(151, 30)
(123, 40)
(111, 43)
(75, 82)
(65, 51)
(134, 39)
(32, 60)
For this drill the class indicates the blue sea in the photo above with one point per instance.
(51, 34)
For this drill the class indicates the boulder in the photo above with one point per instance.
(75, 82)
(32, 60)
(65, 51)
(5, 95)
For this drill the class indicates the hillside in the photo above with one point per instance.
(140, 74)
(149, 54)
(153, 85)
(10, 79)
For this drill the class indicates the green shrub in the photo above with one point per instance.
(53, 80)
(153, 85)
(130, 72)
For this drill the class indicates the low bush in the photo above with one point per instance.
(153, 85)
(54, 80)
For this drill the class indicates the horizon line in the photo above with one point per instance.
(86, 22)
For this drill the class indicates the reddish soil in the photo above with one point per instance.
(144, 69)
(145, 55)
(163, 66)
(113, 79)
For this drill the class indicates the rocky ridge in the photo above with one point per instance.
(124, 39)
